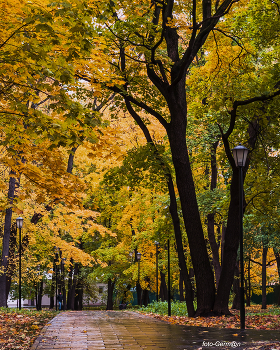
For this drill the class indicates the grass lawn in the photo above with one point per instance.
(255, 318)
(19, 329)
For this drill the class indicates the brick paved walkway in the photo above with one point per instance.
(96, 330)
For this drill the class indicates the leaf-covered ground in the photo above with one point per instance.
(256, 318)
(19, 329)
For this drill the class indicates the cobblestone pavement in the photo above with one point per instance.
(96, 330)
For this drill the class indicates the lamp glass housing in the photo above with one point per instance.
(19, 222)
(138, 256)
(240, 155)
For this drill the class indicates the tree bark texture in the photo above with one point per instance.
(6, 242)
(203, 272)
(173, 211)
(230, 249)
(110, 291)
(163, 287)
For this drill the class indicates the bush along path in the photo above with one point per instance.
(256, 318)
(19, 329)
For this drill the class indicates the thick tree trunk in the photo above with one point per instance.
(200, 260)
(173, 211)
(11, 269)
(180, 249)
(6, 243)
(211, 217)
(264, 255)
(230, 249)
(110, 302)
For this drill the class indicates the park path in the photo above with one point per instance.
(96, 330)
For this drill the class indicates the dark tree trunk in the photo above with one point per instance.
(139, 294)
(236, 289)
(6, 243)
(39, 296)
(264, 255)
(173, 211)
(110, 302)
(211, 217)
(163, 287)
(11, 269)
(277, 257)
(248, 285)
(200, 261)
(232, 233)
(223, 244)
(179, 247)
(74, 285)
(70, 282)
(231, 244)
(146, 297)
(52, 295)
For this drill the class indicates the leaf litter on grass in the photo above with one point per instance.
(19, 329)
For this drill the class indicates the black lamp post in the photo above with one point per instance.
(157, 244)
(19, 222)
(240, 155)
(138, 256)
(169, 284)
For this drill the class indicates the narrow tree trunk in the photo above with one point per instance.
(39, 296)
(277, 257)
(163, 288)
(110, 302)
(236, 288)
(6, 243)
(74, 285)
(248, 301)
(264, 255)
(70, 282)
(181, 287)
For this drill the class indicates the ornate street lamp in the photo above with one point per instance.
(19, 222)
(157, 244)
(240, 155)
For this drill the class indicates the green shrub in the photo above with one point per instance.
(178, 308)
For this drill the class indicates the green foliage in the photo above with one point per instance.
(178, 308)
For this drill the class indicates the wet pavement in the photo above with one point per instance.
(96, 330)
